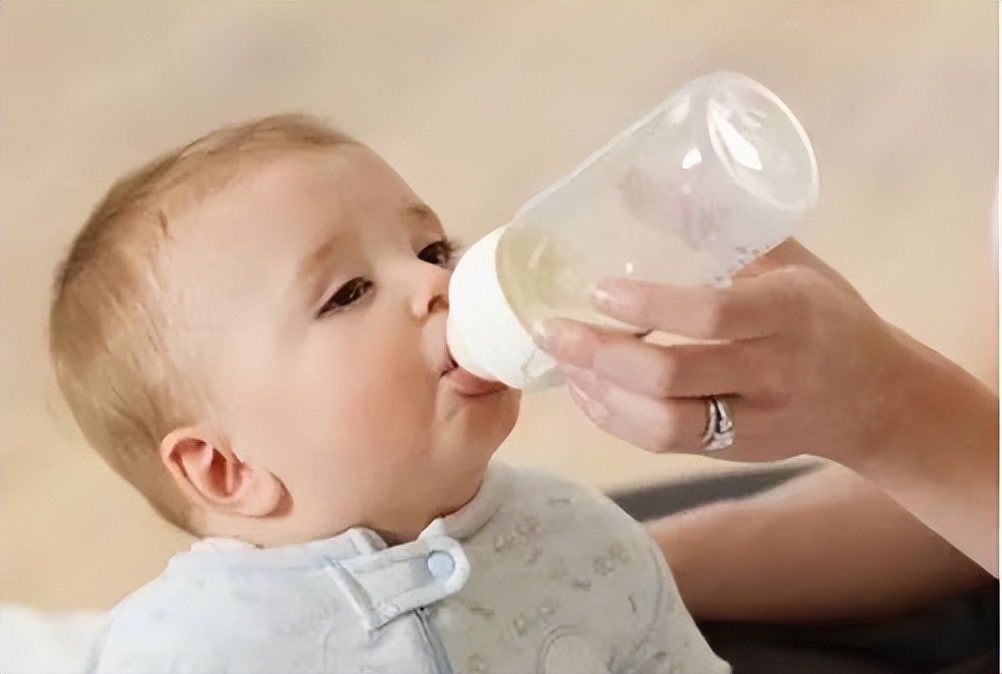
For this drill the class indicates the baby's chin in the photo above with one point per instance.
(484, 427)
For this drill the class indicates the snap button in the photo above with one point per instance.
(441, 564)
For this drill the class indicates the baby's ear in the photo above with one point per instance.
(211, 475)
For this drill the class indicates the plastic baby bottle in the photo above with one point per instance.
(716, 175)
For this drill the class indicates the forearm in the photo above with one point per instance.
(825, 546)
(936, 451)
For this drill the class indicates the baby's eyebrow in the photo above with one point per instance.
(310, 268)
(421, 211)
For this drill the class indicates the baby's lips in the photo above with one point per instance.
(468, 384)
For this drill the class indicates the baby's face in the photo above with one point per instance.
(321, 278)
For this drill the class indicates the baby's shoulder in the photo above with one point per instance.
(573, 554)
(562, 498)
(211, 619)
(566, 514)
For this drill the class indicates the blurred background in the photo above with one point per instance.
(479, 105)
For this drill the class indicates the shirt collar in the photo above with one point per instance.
(468, 520)
(460, 525)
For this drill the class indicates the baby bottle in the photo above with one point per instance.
(716, 175)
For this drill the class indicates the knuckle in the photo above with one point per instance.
(779, 379)
(664, 373)
(777, 385)
(715, 314)
(642, 307)
(792, 306)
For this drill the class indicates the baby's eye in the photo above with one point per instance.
(440, 253)
(350, 292)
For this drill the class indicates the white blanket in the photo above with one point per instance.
(36, 641)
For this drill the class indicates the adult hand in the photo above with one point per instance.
(807, 368)
(800, 357)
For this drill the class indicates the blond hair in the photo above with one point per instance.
(109, 332)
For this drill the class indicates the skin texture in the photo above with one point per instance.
(315, 285)
(827, 546)
(807, 367)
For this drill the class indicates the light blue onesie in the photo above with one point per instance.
(535, 574)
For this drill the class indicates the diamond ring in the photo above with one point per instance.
(719, 425)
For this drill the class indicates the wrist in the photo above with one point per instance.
(895, 399)
(932, 417)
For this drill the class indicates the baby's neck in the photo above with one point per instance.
(396, 521)
(402, 524)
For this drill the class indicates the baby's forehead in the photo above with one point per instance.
(287, 191)
(222, 179)
(224, 208)
(268, 208)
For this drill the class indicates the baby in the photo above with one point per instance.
(251, 330)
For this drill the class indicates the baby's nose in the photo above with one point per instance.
(431, 292)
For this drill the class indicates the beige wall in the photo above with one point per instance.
(479, 105)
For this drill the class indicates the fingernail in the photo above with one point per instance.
(594, 409)
(587, 383)
(608, 293)
(601, 296)
(542, 332)
(561, 339)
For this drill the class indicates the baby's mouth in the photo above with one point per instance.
(450, 364)
(466, 383)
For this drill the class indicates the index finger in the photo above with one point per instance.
(751, 307)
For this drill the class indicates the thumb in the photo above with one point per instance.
(789, 252)
(792, 253)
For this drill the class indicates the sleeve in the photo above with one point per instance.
(625, 600)
(156, 647)
(144, 641)
(234, 623)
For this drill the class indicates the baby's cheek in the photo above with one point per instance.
(372, 392)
